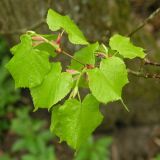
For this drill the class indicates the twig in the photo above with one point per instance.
(156, 12)
(59, 50)
(146, 75)
(67, 54)
(148, 62)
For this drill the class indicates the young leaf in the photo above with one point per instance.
(85, 55)
(73, 122)
(56, 21)
(28, 66)
(55, 87)
(107, 82)
(125, 47)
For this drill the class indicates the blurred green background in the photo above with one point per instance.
(25, 135)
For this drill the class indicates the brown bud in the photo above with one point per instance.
(90, 66)
(37, 38)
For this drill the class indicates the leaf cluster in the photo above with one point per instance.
(98, 68)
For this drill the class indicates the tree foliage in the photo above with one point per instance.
(94, 66)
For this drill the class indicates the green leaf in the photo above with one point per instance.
(28, 66)
(47, 154)
(46, 47)
(18, 145)
(125, 47)
(85, 55)
(73, 122)
(6, 156)
(107, 82)
(56, 21)
(55, 87)
(29, 157)
(95, 148)
(26, 42)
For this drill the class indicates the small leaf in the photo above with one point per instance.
(107, 82)
(28, 66)
(125, 47)
(55, 87)
(85, 55)
(73, 122)
(56, 21)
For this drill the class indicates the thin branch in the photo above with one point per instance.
(146, 75)
(67, 54)
(156, 12)
(148, 62)
(59, 50)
